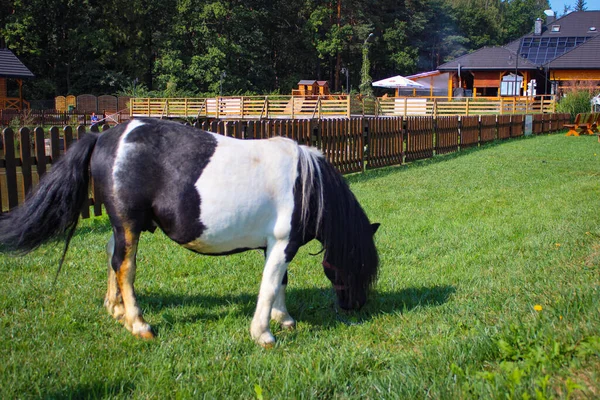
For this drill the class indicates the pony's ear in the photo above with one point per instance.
(374, 227)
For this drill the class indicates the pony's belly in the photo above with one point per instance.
(205, 246)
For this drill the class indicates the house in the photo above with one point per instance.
(12, 69)
(558, 55)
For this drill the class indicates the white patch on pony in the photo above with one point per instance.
(246, 194)
(246, 201)
(124, 150)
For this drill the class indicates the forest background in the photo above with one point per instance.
(207, 47)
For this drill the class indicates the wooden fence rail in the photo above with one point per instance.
(351, 144)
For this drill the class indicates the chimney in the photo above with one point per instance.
(537, 29)
(550, 17)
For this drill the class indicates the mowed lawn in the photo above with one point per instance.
(488, 288)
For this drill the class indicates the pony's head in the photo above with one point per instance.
(331, 214)
(353, 279)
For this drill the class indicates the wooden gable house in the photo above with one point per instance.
(11, 68)
(558, 54)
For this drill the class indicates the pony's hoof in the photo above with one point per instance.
(268, 345)
(142, 330)
(266, 340)
(146, 335)
(288, 325)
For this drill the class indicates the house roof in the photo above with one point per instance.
(424, 74)
(571, 41)
(585, 56)
(11, 67)
(489, 58)
(576, 23)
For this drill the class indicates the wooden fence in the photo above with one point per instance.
(55, 117)
(351, 144)
(340, 106)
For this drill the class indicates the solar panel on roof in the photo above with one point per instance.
(545, 49)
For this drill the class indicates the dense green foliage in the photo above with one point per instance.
(575, 102)
(185, 46)
(488, 289)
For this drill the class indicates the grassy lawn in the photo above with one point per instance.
(471, 246)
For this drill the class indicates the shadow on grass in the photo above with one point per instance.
(316, 306)
(93, 390)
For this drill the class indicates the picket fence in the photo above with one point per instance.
(350, 144)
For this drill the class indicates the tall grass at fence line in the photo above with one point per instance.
(575, 102)
(488, 289)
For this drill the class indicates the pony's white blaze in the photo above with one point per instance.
(246, 194)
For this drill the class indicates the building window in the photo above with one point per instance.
(555, 28)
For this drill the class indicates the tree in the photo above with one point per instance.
(366, 87)
(182, 47)
(580, 5)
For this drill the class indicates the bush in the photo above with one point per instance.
(575, 102)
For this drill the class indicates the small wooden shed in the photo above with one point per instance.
(311, 88)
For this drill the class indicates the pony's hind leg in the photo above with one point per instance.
(123, 263)
(113, 301)
(279, 312)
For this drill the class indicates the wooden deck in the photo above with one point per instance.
(341, 106)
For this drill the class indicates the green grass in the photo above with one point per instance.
(469, 244)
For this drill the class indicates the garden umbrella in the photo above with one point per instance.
(398, 81)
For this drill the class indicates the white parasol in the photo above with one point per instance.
(398, 81)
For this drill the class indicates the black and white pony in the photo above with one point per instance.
(211, 194)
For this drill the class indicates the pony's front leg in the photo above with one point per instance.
(123, 263)
(279, 312)
(275, 268)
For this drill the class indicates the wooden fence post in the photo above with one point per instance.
(10, 167)
(54, 144)
(348, 105)
(365, 123)
(67, 137)
(25, 149)
(40, 151)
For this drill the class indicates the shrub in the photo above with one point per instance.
(575, 102)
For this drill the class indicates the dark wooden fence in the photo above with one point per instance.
(351, 144)
(55, 117)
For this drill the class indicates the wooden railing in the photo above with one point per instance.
(342, 106)
(13, 103)
(406, 106)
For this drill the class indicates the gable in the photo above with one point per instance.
(11, 67)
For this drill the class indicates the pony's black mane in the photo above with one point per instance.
(346, 233)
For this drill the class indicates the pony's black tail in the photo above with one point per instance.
(53, 208)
